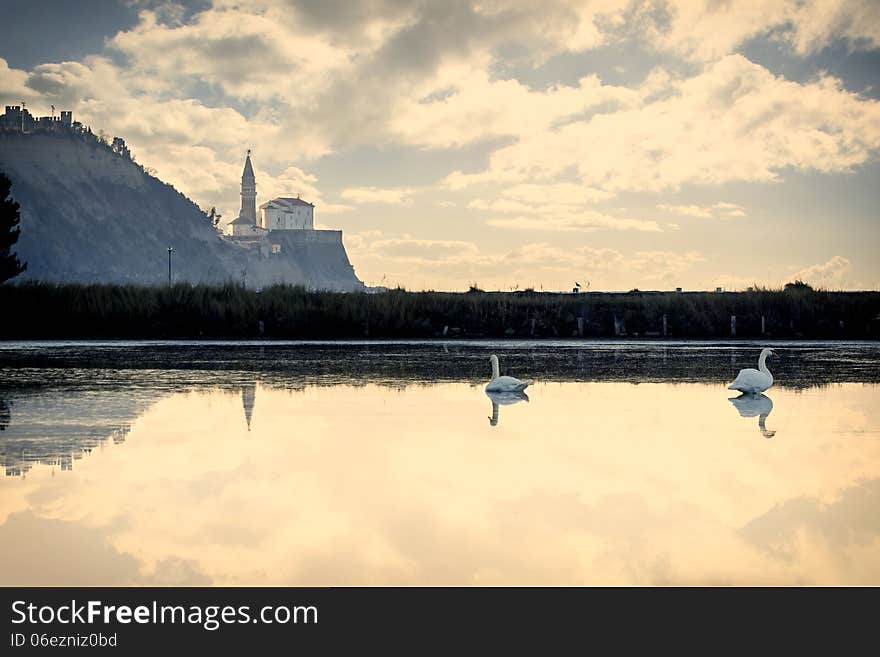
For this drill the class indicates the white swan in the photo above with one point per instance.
(751, 381)
(504, 383)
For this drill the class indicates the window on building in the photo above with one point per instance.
(276, 248)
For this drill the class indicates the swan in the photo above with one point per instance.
(503, 399)
(751, 381)
(504, 383)
(759, 406)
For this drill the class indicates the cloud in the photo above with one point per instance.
(248, 54)
(397, 196)
(555, 207)
(703, 31)
(735, 121)
(420, 250)
(657, 265)
(198, 148)
(454, 264)
(687, 210)
(583, 221)
(566, 193)
(474, 107)
(705, 212)
(730, 209)
(307, 81)
(827, 274)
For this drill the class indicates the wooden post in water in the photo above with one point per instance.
(733, 326)
(532, 329)
(580, 327)
(664, 325)
(763, 325)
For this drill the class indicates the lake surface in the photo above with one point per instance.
(381, 463)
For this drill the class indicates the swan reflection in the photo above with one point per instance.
(759, 406)
(504, 399)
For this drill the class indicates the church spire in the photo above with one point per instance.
(248, 191)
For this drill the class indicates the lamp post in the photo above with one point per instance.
(170, 249)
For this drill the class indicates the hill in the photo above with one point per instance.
(92, 215)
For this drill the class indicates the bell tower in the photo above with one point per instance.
(248, 191)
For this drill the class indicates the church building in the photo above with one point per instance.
(284, 227)
(287, 214)
(282, 213)
(245, 225)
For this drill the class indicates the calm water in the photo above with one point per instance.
(386, 463)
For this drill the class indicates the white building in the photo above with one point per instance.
(243, 227)
(287, 214)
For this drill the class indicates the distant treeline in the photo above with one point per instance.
(46, 311)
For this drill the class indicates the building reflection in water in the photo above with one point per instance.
(759, 406)
(503, 399)
(248, 398)
(5, 414)
(58, 427)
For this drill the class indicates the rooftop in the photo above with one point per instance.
(284, 202)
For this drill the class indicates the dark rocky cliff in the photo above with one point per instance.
(89, 215)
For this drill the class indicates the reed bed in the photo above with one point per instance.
(34, 310)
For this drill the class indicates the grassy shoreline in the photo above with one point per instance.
(66, 311)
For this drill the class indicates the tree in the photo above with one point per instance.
(10, 266)
(798, 286)
(213, 217)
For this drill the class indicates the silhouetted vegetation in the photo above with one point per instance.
(42, 310)
(213, 217)
(798, 286)
(10, 266)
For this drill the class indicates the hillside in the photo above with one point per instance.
(90, 215)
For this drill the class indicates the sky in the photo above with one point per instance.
(619, 144)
